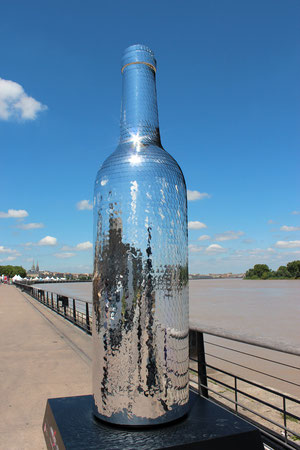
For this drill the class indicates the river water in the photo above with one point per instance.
(266, 311)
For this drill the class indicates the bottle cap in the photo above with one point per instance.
(138, 54)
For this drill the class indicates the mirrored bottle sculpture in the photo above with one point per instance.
(140, 290)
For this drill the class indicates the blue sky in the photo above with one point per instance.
(228, 97)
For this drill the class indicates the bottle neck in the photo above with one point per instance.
(139, 114)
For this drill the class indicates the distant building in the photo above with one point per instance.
(198, 276)
(34, 271)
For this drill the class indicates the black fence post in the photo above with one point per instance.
(235, 394)
(52, 300)
(47, 299)
(284, 419)
(87, 316)
(74, 310)
(202, 375)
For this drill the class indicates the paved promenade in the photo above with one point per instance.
(42, 356)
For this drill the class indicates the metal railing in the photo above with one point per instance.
(31, 281)
(76, 311)
(264, 406)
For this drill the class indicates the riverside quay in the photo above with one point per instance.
(46, 352)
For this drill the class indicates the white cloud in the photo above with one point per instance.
(292, 253)
(196, 225)
(248, 241)
(247, 257)
(79, 247)
(64, 255)
(15, 103)
(14, 214)
(287, 244)
(296, 213)
(9, 258)
(48, 240)
(196, 195)
(30, 226)
(204, 237)
(229, 235)
(287, 228)
(67, 248)
(259, 251)
(84, 245)
(215, 248)
(9, 251)
(84, 204)
(195, 248)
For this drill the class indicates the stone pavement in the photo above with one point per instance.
(42, 356)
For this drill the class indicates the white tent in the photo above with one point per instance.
(17, 278)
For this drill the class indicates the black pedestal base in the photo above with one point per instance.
(69, 424)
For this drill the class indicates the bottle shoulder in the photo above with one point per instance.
(139, 159)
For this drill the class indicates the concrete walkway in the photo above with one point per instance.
(42, 356)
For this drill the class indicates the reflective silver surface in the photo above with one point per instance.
(140, 289)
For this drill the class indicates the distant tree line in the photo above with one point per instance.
(11, 271)
(263, 272)
(84, 278)
(71, 277)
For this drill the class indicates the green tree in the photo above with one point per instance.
(11, 271)
(262, 272)
(283, 272)
(249, 274)
(260, 269)
(294, 268)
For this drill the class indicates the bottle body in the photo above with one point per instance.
(140, 287)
